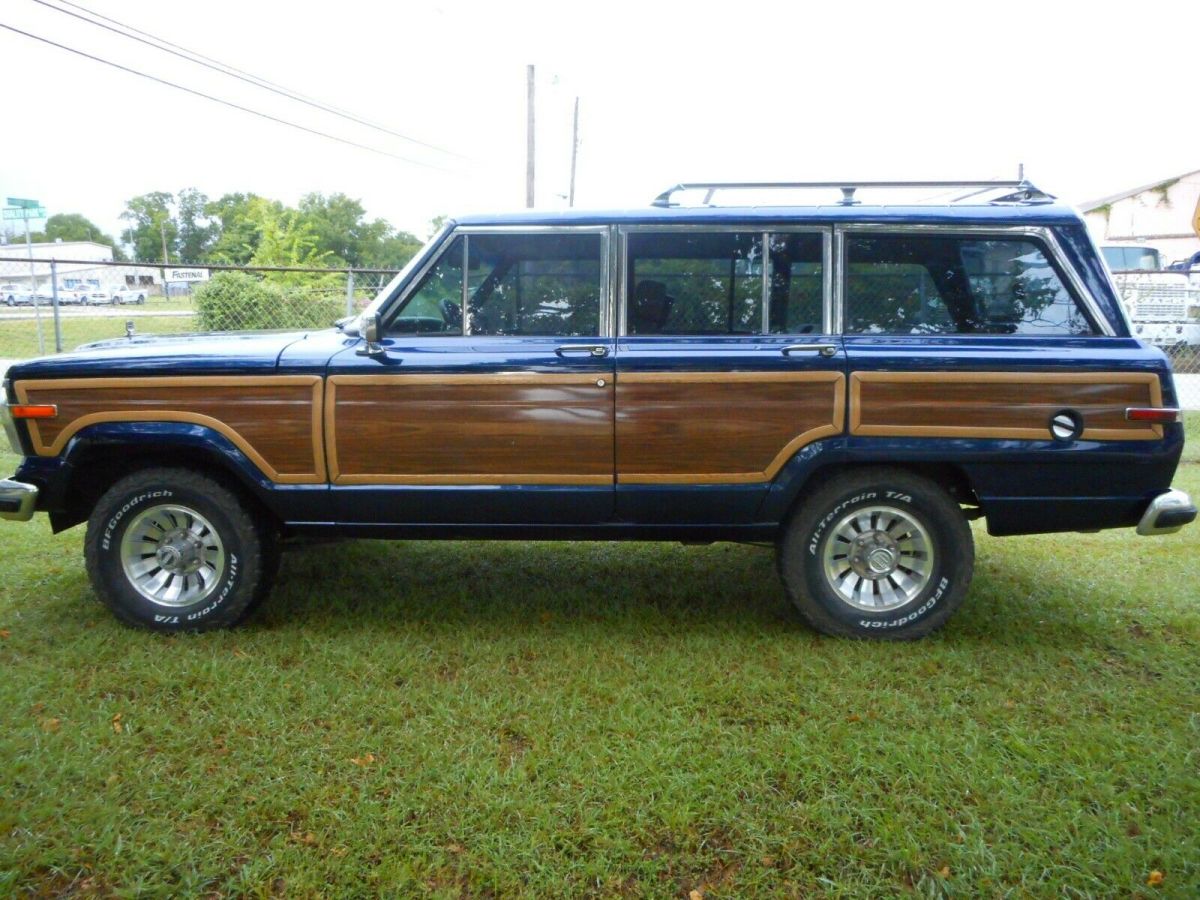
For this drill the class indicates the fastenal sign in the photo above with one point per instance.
(170, 274)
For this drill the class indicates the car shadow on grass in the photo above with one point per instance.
(624, 585)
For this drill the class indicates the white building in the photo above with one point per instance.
(15, 266)
(1164, 215)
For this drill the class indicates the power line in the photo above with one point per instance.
(193, 56)
(246, 109)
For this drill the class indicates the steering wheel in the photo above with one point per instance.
(451, 312)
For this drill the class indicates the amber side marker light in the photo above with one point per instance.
(1155, 414)
(33, 410)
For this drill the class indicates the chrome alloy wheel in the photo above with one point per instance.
(172, 555)
(878, 558)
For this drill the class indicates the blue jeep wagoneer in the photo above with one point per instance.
(849, 381)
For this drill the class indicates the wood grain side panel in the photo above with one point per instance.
(524, 428)
(721, 427)
(1000, 404)
(274, 420)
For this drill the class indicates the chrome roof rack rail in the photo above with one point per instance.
(1022, 191)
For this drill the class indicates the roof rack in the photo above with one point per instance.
(1022, 191)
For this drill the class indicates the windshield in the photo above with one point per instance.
(1122, 259)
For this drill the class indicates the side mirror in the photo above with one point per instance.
(370, 332)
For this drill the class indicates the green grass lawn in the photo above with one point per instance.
(18, 339)
(609, 720)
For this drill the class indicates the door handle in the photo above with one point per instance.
(582, 349)
(823, 349)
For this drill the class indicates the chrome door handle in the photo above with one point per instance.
(588, 349)
(823, 349)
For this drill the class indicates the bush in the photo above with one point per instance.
(237, 301)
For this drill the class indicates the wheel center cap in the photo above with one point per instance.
(180, 554)
(881, 560)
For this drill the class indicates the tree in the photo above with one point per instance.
(73, 227)
(238, 227)
(342, 229)
(196, 232)
(150, 218)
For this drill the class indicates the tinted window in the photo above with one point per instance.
(695, 283)
(797, 284)
(517, 284)
(436, 306)
(534, 284)
(932, 284)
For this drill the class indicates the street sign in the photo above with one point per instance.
(172, 275)
(22, 202)
(25, 212)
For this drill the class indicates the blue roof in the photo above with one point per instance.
(947, 214)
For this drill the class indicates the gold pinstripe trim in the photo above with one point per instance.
(317, 476)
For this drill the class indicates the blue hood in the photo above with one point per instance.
(242, 353)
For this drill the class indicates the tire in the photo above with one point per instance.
(888, 589)
(214, 562)
(141, 300)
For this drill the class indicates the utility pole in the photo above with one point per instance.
(574, 153)
(529, 136)
(162, 232)
(37, 307)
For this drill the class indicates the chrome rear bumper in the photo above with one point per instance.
(1167, 513)
(17, 500)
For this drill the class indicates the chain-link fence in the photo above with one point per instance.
(49, 306)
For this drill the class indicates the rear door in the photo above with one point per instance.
(726, 367)
(493, 400)
(982, 345)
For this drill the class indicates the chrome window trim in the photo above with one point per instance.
(1096, 252)
(621, 271)
(1050, 244)
(395, 305)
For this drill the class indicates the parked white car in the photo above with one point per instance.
(66, 296)
(95, 295)
(128, 295)
(15, 295)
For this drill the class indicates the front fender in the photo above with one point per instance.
(126, 446)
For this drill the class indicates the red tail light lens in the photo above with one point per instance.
(1157, 415)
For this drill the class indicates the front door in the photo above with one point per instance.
(493, 400)
(726, 368)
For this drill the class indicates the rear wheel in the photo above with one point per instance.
(174, 550)
(878, 553)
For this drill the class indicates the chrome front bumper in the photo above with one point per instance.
(17, 500)
(1167, 513)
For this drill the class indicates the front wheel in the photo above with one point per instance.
(174, 550)
(877, 553)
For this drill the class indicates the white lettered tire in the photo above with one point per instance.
(877, 553)
(175, 550)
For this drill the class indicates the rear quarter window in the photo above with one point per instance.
(914, 284)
